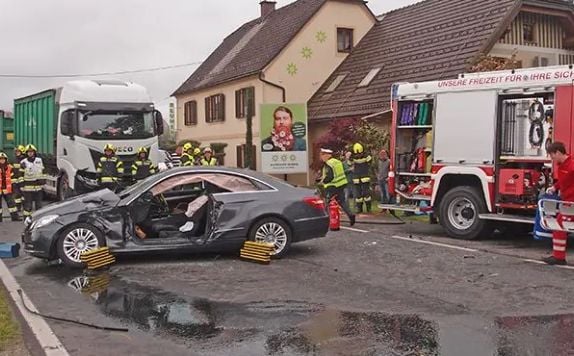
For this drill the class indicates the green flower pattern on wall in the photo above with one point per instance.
(306, 52)
(292, 68)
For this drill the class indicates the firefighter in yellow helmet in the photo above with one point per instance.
(32, 168)
(208, 159)
(110, 168)
(187, 157)
(18, 180)
(361, 162)
(143, 167)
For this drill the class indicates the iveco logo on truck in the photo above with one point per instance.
(125, 149)
(71, 120)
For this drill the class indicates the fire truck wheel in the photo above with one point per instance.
(459, 213)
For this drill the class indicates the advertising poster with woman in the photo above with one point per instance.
(284, 138)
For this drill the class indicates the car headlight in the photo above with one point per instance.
(43, 221)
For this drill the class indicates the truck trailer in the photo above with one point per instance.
(71, 125)
(471, 151)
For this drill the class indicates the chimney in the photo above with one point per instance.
(267, 7)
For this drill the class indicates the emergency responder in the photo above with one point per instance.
(565, 188)
(187, 157)
(208, 159)
(18, 179)
(110, 168)
(361, 177)
(143, 166)
(32, 168)
(6, 187)
(334, 181)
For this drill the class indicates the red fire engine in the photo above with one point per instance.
(471, 151)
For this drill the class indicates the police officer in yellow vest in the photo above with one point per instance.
(208, 159)
(361, 177)
(110, 168)
(143, 167)
(334, 181)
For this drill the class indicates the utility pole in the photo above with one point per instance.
(248, 151)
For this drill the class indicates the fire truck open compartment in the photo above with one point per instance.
(413, 152)
(524, 131)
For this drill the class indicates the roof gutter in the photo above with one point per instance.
(283, 91)
(376, 114)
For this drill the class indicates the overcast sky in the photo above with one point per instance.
(94, 36)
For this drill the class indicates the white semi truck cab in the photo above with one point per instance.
(88, 115)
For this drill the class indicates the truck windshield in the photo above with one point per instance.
(117, 125)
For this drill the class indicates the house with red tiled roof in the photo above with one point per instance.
(284, 55)
(438, 39)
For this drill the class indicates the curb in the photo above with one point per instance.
(40, 328)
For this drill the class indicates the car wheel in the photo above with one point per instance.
(77, 239)
(459, 214)
(275, 231)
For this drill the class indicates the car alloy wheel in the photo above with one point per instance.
(272, 233)
(78, 241)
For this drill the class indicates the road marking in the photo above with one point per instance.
(434, 243)
(544, 263)
(355, 230)
(44, 334)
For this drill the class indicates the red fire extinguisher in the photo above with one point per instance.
(334, 216)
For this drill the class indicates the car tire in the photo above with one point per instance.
(459, 214)
(76, 239)
(263, 230)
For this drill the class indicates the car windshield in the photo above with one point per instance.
(116, 125)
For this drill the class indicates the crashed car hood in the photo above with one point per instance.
(92, 201)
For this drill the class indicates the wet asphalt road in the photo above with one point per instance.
(379, 290)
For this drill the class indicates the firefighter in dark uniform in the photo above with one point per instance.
(6, 187)
(18, 179)
(334, 180)
(110, 169)
(361, 177)
(143, 166)
(187, 157)
(208, 159)
(32, 168)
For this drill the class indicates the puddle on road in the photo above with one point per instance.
(300, 328)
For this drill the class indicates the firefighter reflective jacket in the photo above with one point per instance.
(142, 169)
(361, 168)
(6, 176)
(211, 162)
(33, 174)
(110, 169)
(334, 174)
(18, 174)
(187, 160)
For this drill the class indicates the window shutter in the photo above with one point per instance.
(207, 111)
(237, 104)
(239, 152)
(222, 108)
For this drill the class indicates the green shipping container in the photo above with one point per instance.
(35, 121)
(6, 134)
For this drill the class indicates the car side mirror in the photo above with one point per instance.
(68, 123)
(158, 119)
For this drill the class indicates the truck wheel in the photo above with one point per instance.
(459, 211)
(64, 190)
